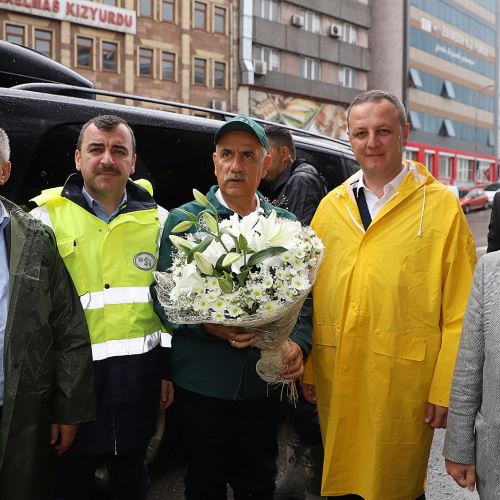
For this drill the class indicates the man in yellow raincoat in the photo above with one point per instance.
(388, 306)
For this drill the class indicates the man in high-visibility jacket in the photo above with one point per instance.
(107, 229)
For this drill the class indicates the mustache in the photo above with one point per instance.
(235, 176)
(107, 169)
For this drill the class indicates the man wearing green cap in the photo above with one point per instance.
(229, 414)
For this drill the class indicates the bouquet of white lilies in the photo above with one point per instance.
(253, 272)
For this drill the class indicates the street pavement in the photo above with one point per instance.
(167, 482)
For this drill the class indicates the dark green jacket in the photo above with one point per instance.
(205, 364)
(47, 359)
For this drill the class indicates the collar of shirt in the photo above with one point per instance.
(374, 203)
(97, 209)
(221, 200)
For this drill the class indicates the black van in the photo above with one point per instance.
(43, 117)
(43, 106)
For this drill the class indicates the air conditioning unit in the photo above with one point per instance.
(298, 20)
(219, 104)
(335, 30)
(260, 67)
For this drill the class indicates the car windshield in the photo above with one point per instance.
(463, 193)
(492, 187)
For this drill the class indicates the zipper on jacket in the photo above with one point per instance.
(114, 436)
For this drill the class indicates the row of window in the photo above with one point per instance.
(200, 14)
(467, 169)
(42, 39)
(451, 15)
(445, 88)
(168, 68)
(309, 20)
(308, 67)
(429, 43)
(85, 57)
(450, 128)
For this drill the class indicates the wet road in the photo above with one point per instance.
(167, 481)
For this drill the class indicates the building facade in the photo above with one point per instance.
(302, 61)
(179, 50)
(440, 57)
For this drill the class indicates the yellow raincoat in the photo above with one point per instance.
(388, 308)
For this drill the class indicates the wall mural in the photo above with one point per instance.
(306, 114)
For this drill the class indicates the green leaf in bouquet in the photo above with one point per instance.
(242, 242)
(203, 264)
(230, 258)
(262, 255)
(203, 245)
(226, 284)
(182, 227)
(242, 277)
(211, 222)
(193, 218)
(200, 198)
(181, 244)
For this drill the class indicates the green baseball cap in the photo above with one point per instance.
(245, 123)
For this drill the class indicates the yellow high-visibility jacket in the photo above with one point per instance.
(111, 266)
(388, 309)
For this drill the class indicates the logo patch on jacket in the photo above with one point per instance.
(144, 261)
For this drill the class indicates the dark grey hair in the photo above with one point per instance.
(4, 148)
(376, 96)
(107, 123)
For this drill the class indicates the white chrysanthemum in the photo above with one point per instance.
(219, 304)
(299, 283)
(218, 315)
(234, 311)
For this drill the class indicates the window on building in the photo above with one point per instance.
(309, 68)
(414, 120)
(483, 173)
(168, 10)
(270, 56)
(448, 90)
(219, 74)
(444, 167)
(200, 71)
(410, 154)
(415, 79)
(429, 160)
(114, 3)
(311, 21)
(219, 19)
(109, 56)
(200, 15)
(43, 42)
(348, 77)
(145, 62)
(84, 52)
(267, 9)
(146, 8)
(349, 33)
(15, 34)
(447, 128)
(168, 66)
(465, 170)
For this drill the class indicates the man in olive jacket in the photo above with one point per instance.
(46, 386)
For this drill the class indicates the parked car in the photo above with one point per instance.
(43, 118)
(474, 198)
(490, 190)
